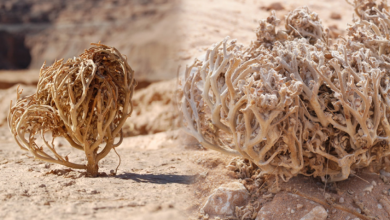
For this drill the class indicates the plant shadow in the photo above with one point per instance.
(158, 178)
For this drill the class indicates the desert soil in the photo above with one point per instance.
(164, 174)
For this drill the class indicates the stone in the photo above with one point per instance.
(275, 6)
(224, 199)
(368, 188)
(317, 213)
(341, 200)
(335, 16)
(299, 206)
(384, 173)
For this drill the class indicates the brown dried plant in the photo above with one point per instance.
(85, 100)
(291, 103)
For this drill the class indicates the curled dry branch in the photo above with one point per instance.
(291, 103)
(85, 100)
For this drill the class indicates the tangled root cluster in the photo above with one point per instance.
(85, 100)
(294, 104)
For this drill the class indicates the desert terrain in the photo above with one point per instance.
(163, 173)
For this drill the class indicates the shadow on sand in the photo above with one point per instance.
(158, 178)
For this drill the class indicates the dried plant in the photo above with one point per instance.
(293, 104)
(86, 100)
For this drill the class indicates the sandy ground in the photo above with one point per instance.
(151, 183)
(164, 174)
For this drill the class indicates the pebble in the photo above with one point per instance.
(93, 192)
(359, 211)
(373, 183)
(335, 16)
(380, 206)
(341, 200)
(275, 6)
(334, 211)
(384, 192)
(292, 211)
(299, 206)
(45, 165)
(368, 188)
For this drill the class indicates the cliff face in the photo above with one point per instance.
(13, 52)
(35, 31)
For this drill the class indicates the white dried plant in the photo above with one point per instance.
(293, 104)
(85, 100)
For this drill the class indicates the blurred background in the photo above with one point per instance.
(34, 31)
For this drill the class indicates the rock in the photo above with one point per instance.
(277, 6)
(373, 183)
(384, 173)
(262, 213)
(335, 16)
(317, 213)
(341, 200)
(224, 199)
(299, 206)
(368, 188)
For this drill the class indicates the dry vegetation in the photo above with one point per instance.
(294, 103)
(85, 100)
